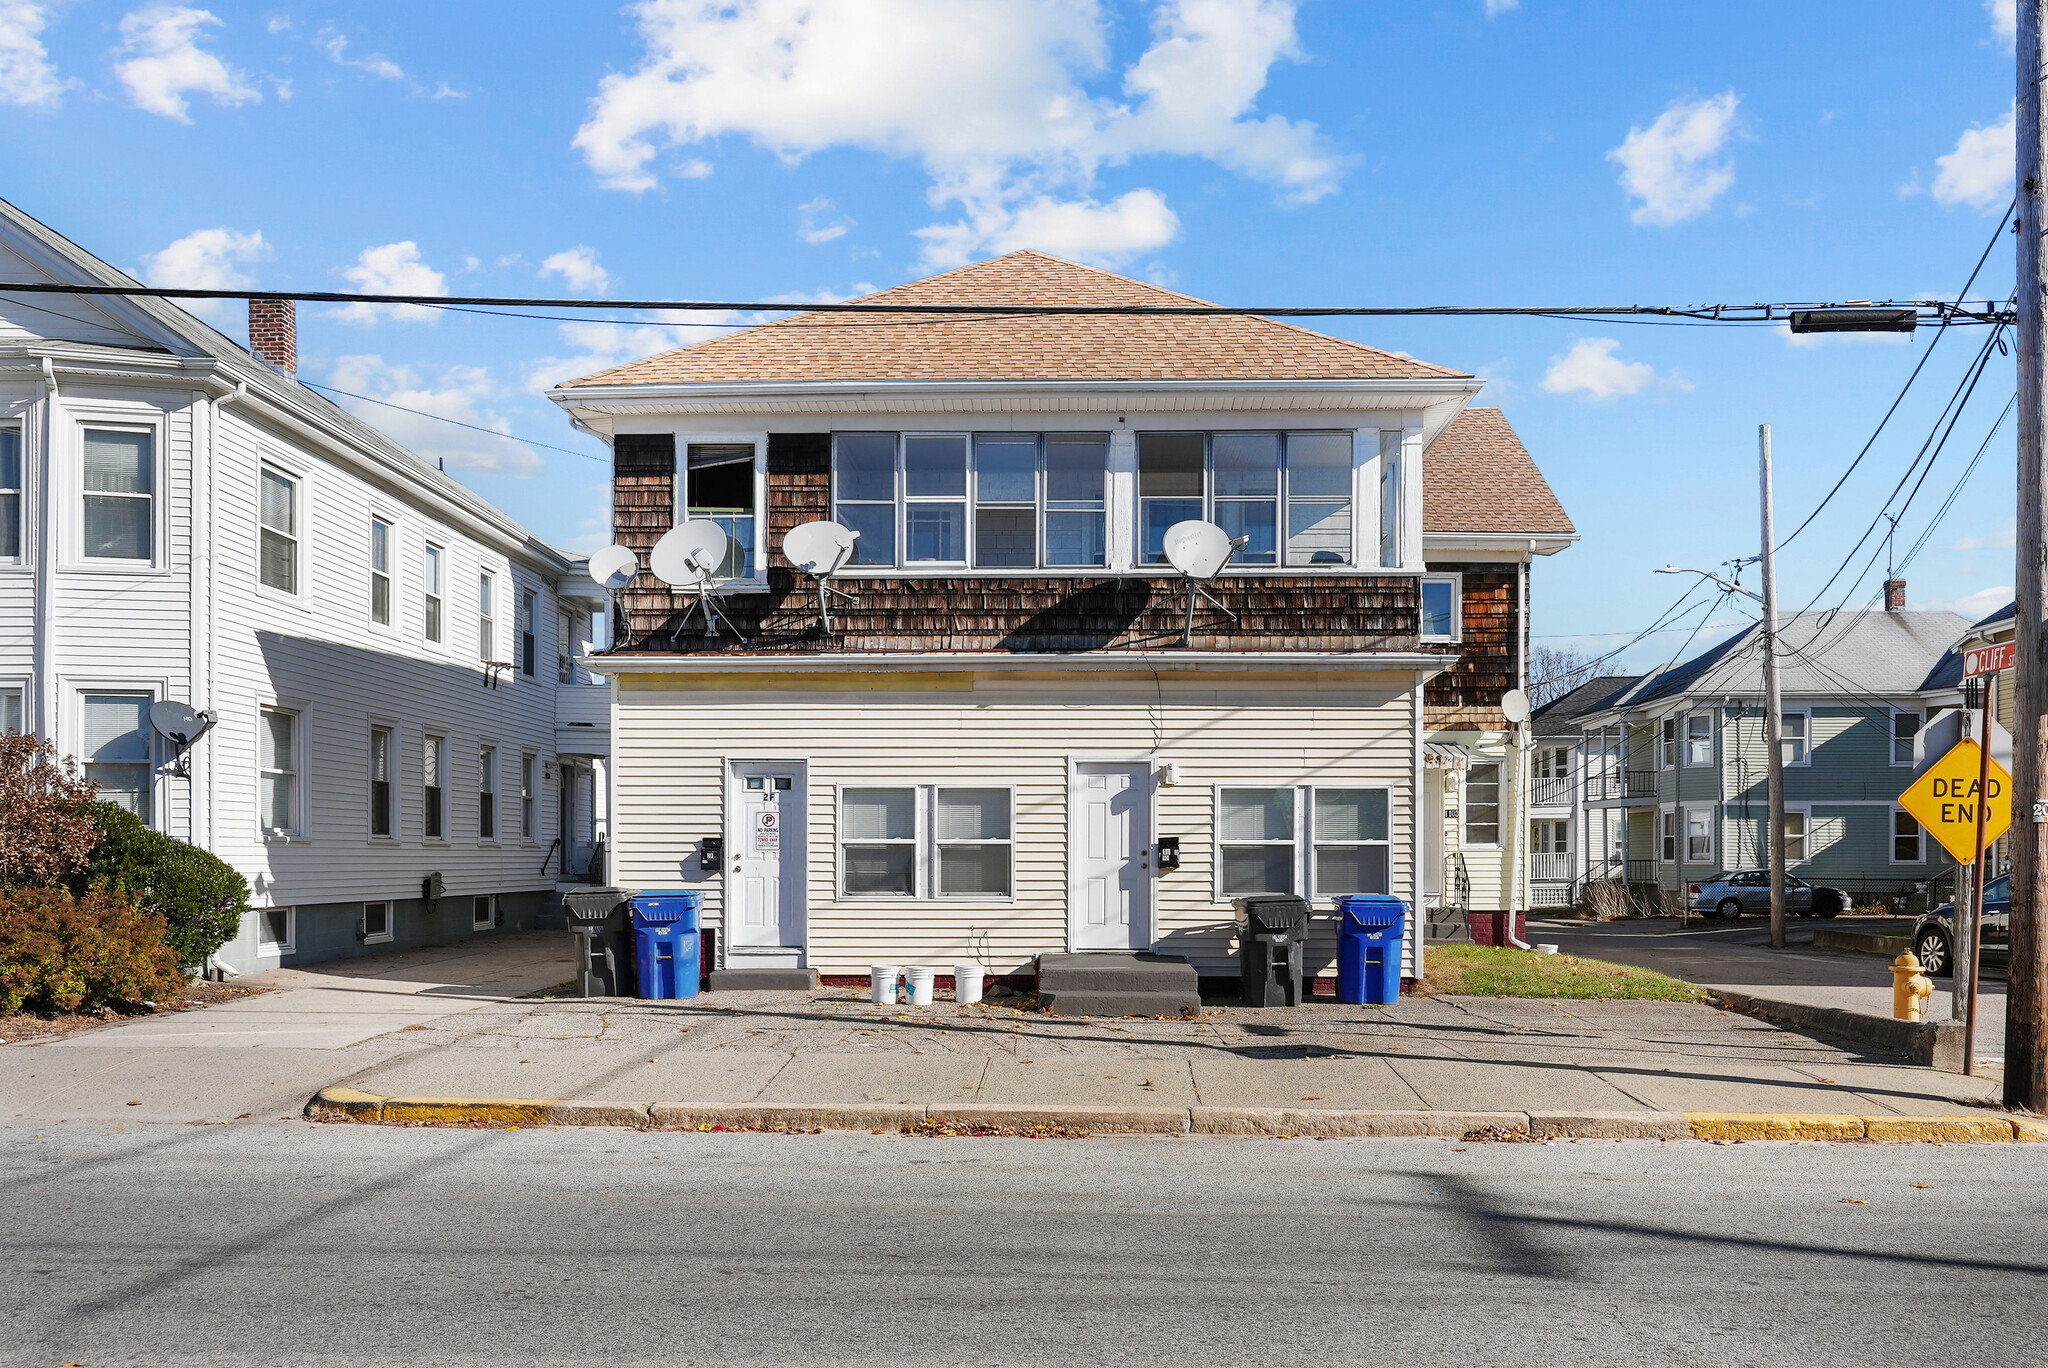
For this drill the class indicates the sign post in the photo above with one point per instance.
(1984, 662)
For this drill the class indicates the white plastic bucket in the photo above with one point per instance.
(967, 982)
(1546, 949)
(883, 977)
(918, 980)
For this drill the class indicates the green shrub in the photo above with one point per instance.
(58, 952)
(200, 897)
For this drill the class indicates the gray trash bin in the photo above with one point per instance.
(1270, 930)
(600, 922)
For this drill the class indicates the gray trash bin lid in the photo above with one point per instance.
(590, 906)
(1273, 912)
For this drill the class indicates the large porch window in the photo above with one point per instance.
(1259, 849)
(998, 500)
(1289, 493)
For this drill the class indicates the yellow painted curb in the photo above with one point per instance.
(345, 1102)
(1947, 1130)
(2029, 1128)
(1774, 1126)
(513, 1111)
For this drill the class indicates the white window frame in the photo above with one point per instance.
(393, 769)
(1457, 583)
(1500, 806)
(1293, 842)
(15, 689)
(1391, 513)
(293, 480)
(1670, 742)
(390, 526)
(483, 912)
(434, 593)
(1670, 835)
(1687, 740)
(487, 793)
(1806, 715)
(123, 420)
(755, 575)
(1713, 835)
(526, 631)
(390, 923)
(290, 944)
(529, 777)
(1892, 837)
(440, 743)
(19, 492)
(1892, 738)
(487, 616)
(938, 843)
(924, 844)
(1804, 812)
(297, 773)
(1315, 844)
(149, 691)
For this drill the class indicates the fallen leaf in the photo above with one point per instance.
(1923, 1185)
(135, 1104)
(1855, 1201)
(1457, 1149)
(244, 1116)
(1311, 1099)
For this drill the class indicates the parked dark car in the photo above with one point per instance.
(1728, 896)
(1934, 934)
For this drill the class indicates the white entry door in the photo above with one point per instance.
(1110, 847)
(1433, 837)
(764, 854)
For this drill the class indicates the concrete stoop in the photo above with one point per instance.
(762, 980)
(1118, 985)
(348, 1104)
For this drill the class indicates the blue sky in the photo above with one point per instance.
(1246, 151)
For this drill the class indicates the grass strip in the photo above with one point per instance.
(1495, 971)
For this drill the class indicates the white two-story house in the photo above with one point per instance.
(386, 656)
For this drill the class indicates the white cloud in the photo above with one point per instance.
(578, 266)
(2005, 20)
(461, 394)
(444, 91)
(1972, 606)
(394, 268)
(1496, 8)
(163, 62)
(1591, 368)
(990, 99)
(600, 346)
(1993, 541)
(205, 260)
(335, 45)
(1979, 172)
(26, 75)
(1105, 234)
(819, 222)
(1670, 166)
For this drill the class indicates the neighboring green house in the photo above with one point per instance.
(1676, 766)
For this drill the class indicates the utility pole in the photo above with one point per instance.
(1774, 714)
(2026, 1003)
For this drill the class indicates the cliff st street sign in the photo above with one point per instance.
(1945, 798)
(1984, 660)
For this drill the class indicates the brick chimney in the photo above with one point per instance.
(1895, 596)
(274, 333)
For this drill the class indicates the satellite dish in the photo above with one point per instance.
(1197, 549)
(686, 557)
(181, 726)
(1514, 704)
(819, 548)
(614, 567)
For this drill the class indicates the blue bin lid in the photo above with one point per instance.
(666, 905)
(1373, 909)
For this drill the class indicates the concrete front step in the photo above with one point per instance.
(762, 980)
(1133, 984)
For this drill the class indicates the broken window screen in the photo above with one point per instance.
(720, 489)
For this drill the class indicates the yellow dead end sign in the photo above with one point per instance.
(1944, 799)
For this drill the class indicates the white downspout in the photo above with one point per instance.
(1517, 864)
(45, 649)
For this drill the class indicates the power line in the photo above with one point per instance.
(418, 413)
(1934, 310)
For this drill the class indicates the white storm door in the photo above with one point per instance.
(1110, 843)
(764, 857)
(1432, 837)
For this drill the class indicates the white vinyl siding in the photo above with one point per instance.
(120, 495)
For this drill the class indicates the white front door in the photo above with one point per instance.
(1432, 837)
(1110, 844)
(764, 854)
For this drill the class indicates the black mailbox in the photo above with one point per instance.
(1169, 852)
(710, 852)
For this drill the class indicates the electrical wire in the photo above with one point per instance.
(418, 413)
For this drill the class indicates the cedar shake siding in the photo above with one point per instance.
(1469, 693)
(1026, 613)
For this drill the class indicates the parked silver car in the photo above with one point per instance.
(1728, 896)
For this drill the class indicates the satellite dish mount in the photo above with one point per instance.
(182, 727)
(820, 550)
(613, 569)
(686, 558)
(1199, 551)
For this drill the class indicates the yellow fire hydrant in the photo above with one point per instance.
(1910, 988)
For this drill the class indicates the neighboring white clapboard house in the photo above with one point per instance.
(183, 521)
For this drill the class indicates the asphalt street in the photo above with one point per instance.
(308, 1244)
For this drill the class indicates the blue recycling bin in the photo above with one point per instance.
(1370, 929)
(665, 941)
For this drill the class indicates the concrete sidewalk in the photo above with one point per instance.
(1739, 957)
(262, 1055)
(1450, 1056)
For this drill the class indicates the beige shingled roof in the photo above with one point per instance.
(1478, 477)
(825, 346)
